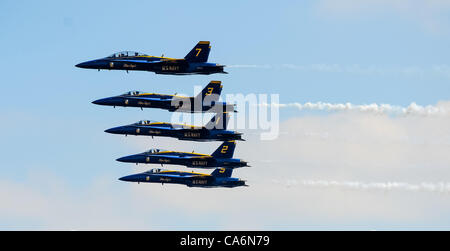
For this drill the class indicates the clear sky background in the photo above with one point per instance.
(58, 167)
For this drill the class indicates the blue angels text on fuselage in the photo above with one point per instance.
(195, 62)
(216, 129)
(205, 101)
(222, 157)
(220, 177)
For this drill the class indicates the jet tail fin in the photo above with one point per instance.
(199, 53)
(226, 150)
(222, 172)
(218, 122)
(210, 93)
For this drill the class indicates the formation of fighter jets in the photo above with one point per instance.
(207, 101)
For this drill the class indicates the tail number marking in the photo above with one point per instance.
(224, 149)
(198, 51)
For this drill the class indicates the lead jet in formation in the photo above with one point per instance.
(195, 62)
(206, 101)
(214, 130)
(222, 157)
(220, 177)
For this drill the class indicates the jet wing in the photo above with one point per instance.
(186, 176)
(182, 156)
(146, 98)
(147, 61)
(195, 157)
(136, 61)
(164, 128)
(173, 176)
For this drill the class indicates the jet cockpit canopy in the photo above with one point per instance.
(131, 93)
(154, 150)
(126, 54)
(144, 122)
(155, 170)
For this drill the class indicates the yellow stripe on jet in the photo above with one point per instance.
(165, 123)
(144, 94)
(199, 154)
(201, 174)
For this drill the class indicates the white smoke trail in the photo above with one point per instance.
(411, 71)
(412, 109)
(439, 187)
(250, 66)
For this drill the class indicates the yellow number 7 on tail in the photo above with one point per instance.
(198, 51)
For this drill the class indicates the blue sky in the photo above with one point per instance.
(305, 51)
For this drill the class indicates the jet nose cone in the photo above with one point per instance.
(103, 101)
(123, 159)
(96, 102)
(93, 64)
(111, 101)
(110, 130)
(83, 65)
(130, 159)
(128, 178)
(115, 130)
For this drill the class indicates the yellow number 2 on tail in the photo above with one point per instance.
(224, 149)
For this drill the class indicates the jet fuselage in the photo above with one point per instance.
(189, 179)
(172, 103)
(182, 132)
(192, 160)
(195, 62)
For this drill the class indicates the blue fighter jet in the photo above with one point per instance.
(220, 177)
(195, 62)
(214, 130)
(206, 101)
(222, 157)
